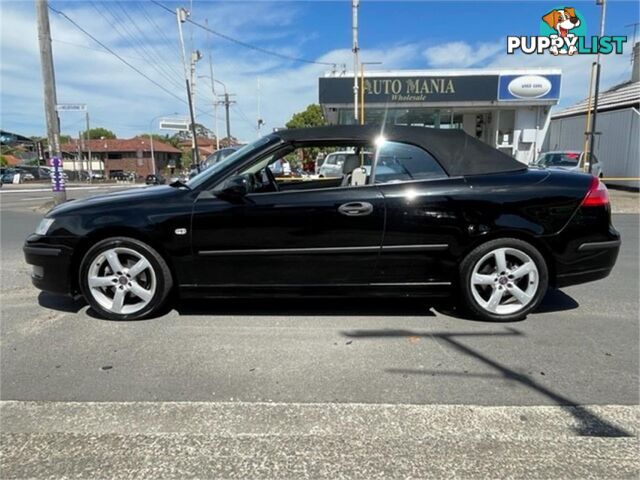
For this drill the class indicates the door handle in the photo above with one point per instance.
(354, 209)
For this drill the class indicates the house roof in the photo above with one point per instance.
(620, 96)
(10, 138)
(12, 160)
(202, 141)
(121, 145)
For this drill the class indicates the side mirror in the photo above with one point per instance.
(234, 189)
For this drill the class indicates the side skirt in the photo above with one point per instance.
(423, 289)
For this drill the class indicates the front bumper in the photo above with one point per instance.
(51, 265)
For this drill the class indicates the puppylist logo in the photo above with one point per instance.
(563, 31)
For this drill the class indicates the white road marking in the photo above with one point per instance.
(48, 190)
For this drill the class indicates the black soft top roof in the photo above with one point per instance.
(457, 152)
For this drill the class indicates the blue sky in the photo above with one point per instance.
(416, 35)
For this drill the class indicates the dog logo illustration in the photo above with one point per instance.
(563, 22)
(563, 31)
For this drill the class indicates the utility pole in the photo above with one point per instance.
(88, 137)
(260, 120)
(181, 16)
(196, 56)
(77, 157)
(227, 103)
(362, 89)
(50, 99)
(213, 89)
(354, 28)
(79, 149)
(592, 134)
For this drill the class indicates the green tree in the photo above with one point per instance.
(99, 132)
(156, 137)
(3, 161)
(312, 116)
(228, 142)
(45, 140)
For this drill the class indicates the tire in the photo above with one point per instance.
(518, 286)
(124, 279)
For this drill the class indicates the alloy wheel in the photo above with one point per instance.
(122, 280)
(504, 281)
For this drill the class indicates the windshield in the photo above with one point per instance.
(559, 159)
(222, 164)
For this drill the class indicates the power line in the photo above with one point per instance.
(137, 70)
(160, 31)
(119, 57)
(243, 116)
(159, 55)
(244, 44)
(55, 40)
(121, 29)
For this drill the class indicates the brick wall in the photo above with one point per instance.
(142, 166)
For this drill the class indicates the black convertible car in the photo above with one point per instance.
(434, 213)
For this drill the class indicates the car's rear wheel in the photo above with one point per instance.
(124, 279)
(503, 280)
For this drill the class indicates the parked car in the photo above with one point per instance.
(218, 156)
(119, 175)
(573, 161)
(34, 172)
(156, 179)
(448, 216)
(332, 164)
(7, 176)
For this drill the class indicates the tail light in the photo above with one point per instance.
(597, 195)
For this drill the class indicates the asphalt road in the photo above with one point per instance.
(580, 348)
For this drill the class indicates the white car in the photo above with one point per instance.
(333, 165)
(569, 160)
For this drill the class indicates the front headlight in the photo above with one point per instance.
(44, 226)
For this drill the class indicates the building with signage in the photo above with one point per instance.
(506, 108)
(617, 129)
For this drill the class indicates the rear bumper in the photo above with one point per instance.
(50, 264)
(592, 261)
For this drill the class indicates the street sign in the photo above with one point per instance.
(71, 107)
(174, 124)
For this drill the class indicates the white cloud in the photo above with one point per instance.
(125, 102)
(576, 69)
(461, 54)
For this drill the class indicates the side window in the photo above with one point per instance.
(400, 162)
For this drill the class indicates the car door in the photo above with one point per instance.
(424, 217)
(325, 236)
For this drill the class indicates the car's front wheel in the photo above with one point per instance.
(124, 279)
(503, 280)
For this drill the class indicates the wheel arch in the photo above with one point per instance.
(536, 242)
(108, 232)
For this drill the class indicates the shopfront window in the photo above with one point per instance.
(416, 117)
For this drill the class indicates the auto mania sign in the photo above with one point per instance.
(430, 89)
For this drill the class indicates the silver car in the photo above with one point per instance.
(332, 165)
(569, 160)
